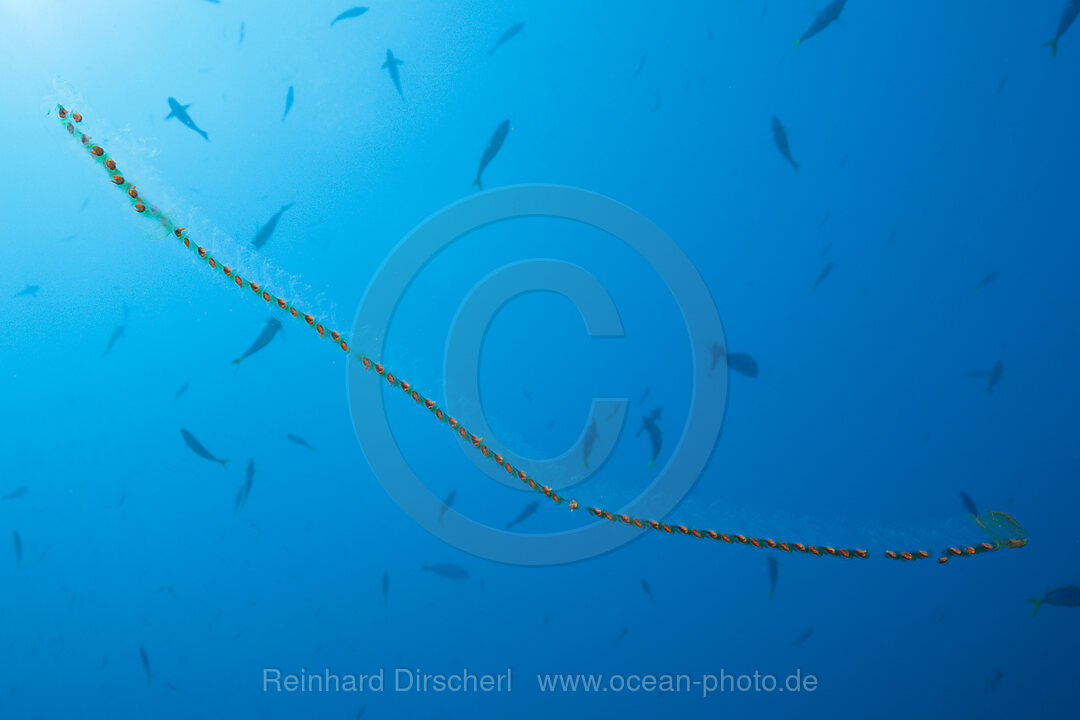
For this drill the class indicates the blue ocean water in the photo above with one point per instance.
(936, 153)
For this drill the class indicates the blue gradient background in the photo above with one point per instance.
(130, 540)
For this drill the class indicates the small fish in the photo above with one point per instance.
(969, 504)
(590, 440)
(391, 66)
(267, 334)
(117, 334)
(824, 222)
(547, 620)
(354, 12)
(385, 586)
(241, 41)
(178, 111)
(514, 30)
(360, 713)
(1068, 15)
(801, 639)
(28, 291)
(622, 634)
(551, 423)
(824, 19)
(656, 439)
(824, 252)
(995, 678)
(987, 279)
(447, 570)
(145, 662)
(774, 574)
(173, 688)
(743, 363)
(181, 391)
(14, 494)
(644, 394)
(994, 377)
(821, 277)
(289, 96)
(198, 449)
(1068, 596)
(843, 162)
(17, 541)
(781, 140)
(646, 588)
(656, 105)
(267, 229)
(249, 479)
(298, 440)
(527, 396)
(640, 67)
(529, 510)
(496, 142)
(447, 503)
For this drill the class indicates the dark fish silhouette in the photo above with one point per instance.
(1068, 596)
(514, 30)
(622, 634)
(1068, 15)
(289, 97)
(743, 363)
(987, 279)
(969, 504)
(739, 362)
(1000, 87)
(350, 13)
(267, 334)
(527, 396)
(646, 588)
(801, 639)
(145, 662)
(656, 439)
(824, 19)
(526, 512)
(644, 394)
(267, 229)
(249, 479)
(447, 570)
(385, 586)
(995, 678)
(774, 574)
(198, 449)
(781, 140)
(590, 440)
(181, 391)
(391, 66)
(116, 335)
(821, 277)
(16, 493)
(640, 67)
(447, 503)
(491, 150)
(547, 620)
(298, 440)
(178, 111)
(241, 40)
(17, 541)
(28, 291)
(360, 713)
(994, 377)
